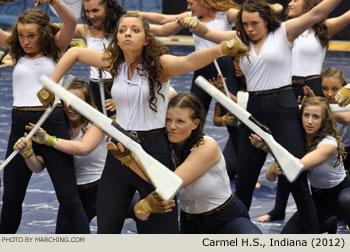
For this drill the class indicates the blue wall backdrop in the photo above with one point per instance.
(143, 5)
(10, 11)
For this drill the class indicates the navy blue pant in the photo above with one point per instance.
(118, 185)
(88, 198)
(344, 204)
(233, 219)
(209, 72)
(328, 202)
(60, 167)
(315, 85)
(230, 151)
(231, 158)
(282, 195)
(280, 113)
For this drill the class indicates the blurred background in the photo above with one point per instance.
(10, 11)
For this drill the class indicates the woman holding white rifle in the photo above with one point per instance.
(208, 205)
(308, 55)
(271, 100)
(141, 71)
(330, 185)
(35, 47)
(88, 146)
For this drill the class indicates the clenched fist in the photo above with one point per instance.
(190, 23)
(343, 95)
(233, 47)
(46, 98)
(273, 171)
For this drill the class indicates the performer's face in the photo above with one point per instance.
(312, 119)
(179, 124)
(73, 115)
(295, 8)
(254, 26)
(29, 38)
(95, 12)
(196, 8)
(330, 87)
(131, 34)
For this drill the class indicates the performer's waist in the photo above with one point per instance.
(105, 81)
(215, 210)
(148, 133)
(298, 80)
(88, 185)
(335, 189)
(271, 91)
(36, 109)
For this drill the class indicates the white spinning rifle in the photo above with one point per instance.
(38, 124)
(289, 164)
(164, 180)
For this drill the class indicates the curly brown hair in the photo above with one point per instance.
(265, 12)
(328, 126)
(320, 28)
(190, 101)
(46, 31)
(219, 5)
(113, 12)
(150, 61)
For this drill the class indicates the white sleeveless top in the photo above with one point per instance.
(271, 68)
(99, 44)
(325, 175)
(26, 82)
(89, 168)
(209, 191)
(219, 23)
(307, 55)
(131, 99)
